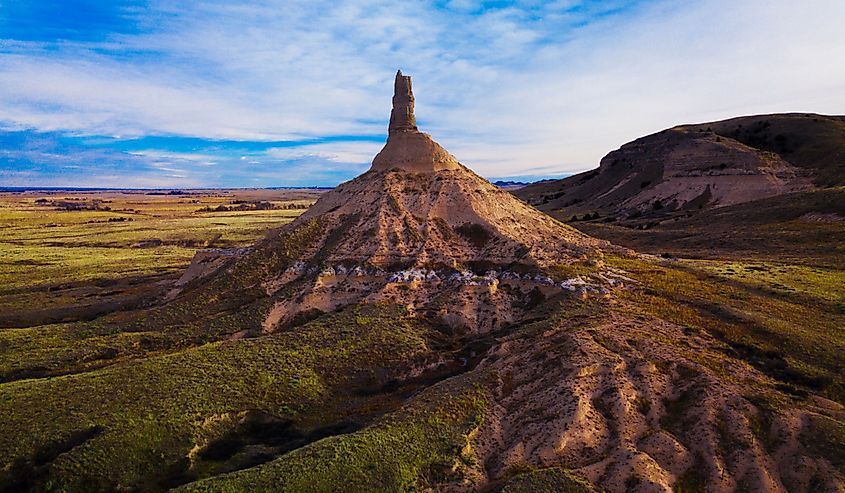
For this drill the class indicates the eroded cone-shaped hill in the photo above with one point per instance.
(418, 229)
(448, 218)
(417, 206)
(418, 216)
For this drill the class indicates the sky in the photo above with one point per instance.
(173, 94)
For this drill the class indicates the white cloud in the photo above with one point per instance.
(193, 158)
(100, 180)
(337, 152)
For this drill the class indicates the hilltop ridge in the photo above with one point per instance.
(689, 168)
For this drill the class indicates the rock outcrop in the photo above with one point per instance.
(407, 148)
(417, 206)
(402, 117)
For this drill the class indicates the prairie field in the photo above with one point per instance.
(71, 255)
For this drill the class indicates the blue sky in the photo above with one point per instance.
(160, 93)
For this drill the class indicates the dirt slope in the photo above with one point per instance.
(636, 406)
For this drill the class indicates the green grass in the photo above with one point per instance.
(223, 305)
(559, 272)
(152, 411)
(411, 450)
(548, 480)
(824, 284)
(55, 258)
(797, 340)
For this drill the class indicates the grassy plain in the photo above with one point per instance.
(64, 265)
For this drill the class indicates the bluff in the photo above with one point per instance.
(689, 168)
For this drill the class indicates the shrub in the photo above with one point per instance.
(476, 234)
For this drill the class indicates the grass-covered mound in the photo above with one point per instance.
(411, 450)
(136, 424)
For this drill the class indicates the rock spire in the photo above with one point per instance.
(402, 116)
(407, 148)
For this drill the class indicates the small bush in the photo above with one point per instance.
(476, 234)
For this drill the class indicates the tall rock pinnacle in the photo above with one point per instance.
(402, 116)
(407, 148)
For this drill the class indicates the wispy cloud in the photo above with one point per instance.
(337, 152)
(517, 88)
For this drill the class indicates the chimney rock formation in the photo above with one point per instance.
(402, 117)
(407, 148)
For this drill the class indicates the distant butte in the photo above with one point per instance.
(407, 148)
